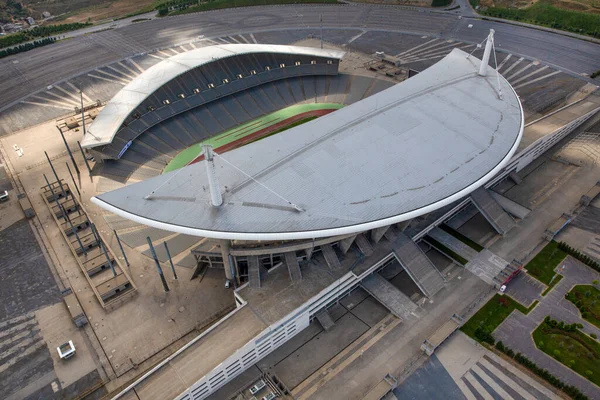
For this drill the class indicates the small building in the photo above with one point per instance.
(46, 14)
(30, 21)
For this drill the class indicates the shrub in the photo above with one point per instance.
(556, 353)
(572, 363)
(440, 3)
(484, 336)
(588, 373)
(593, 335)
(572, 391)
(595, 282)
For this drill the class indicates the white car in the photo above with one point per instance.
(4, 196)
(502, 288)
(227, 283)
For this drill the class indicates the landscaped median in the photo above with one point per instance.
(543, 264)
(569, 346)
(587, 299)
(254, 130)
(481, 325)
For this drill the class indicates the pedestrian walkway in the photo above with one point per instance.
(515, 331)
(449, 241)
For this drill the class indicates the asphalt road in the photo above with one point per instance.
(32, 71)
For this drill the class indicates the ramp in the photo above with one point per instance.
(418, 266)
(253, 272)
(389, 295)
(510, 206)
(492, 211)
(331, 258)
(293, 267)
(363, 245)
(438, 337)
(325, 319)
(460, 248)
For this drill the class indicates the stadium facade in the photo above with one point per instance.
(430, 145)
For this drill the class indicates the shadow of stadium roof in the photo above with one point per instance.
(401, 153)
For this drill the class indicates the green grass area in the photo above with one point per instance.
(557, 278)
(191, 6)
(471, 243)
(545, 14)
(285, 128)
(542, 265)
(491, 315)
(240, 131)
(587, 300)
(446, 250)
(572, 348)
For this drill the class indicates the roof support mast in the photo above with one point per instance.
(486, 53)
(213, 184)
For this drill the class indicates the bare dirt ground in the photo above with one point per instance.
(591, 6)
(87, 10)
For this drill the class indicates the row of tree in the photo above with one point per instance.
(26, 47)
(39, 32)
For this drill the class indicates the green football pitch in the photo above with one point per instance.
(239, 132)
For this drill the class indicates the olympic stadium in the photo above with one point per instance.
(294, 210)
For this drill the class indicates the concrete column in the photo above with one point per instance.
(345, 244)
(225, 246)
(403, 225)
(377, 234)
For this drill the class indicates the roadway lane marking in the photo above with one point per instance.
(192, 45)
(155, 56)
(213, 42)
(59, 103)
(253, 38)
(513, 66)
(224, 40)
(504, 62)
(477, 386)
(125, 81)
(332, 373)
(416, 47)
(77, 90)
(465, 390)
(529, 75)
(353, 38)
(432, 57)
(234, 39)
(183, 49)
(525, 68)
(165, 54)
(65, 100)
(137, 66)
(243, 39)
(435, 52)
(433, 49)
(536, 80)
(120, 72)
(46, 105)
(75, 98)
(122, 64)
(487, 379)
(502, 376)
(107, 80)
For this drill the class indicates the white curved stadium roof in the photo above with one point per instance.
(401, 153)
(109, 120)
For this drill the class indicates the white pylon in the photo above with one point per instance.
(486, 53)
(213, 183)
